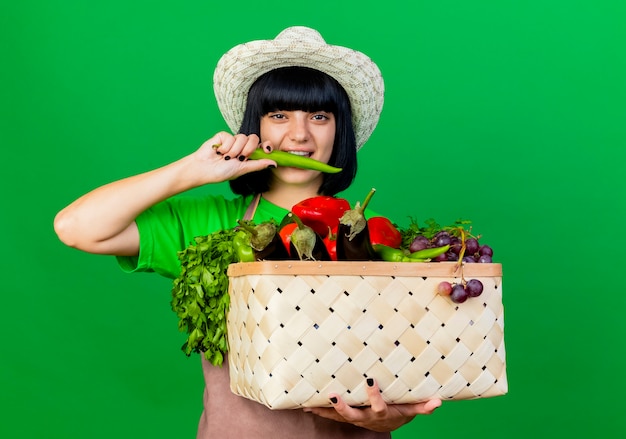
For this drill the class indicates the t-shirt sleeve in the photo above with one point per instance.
(159, 242)
(168, 227)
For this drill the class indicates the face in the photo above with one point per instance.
(311, 134)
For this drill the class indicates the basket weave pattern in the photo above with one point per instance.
(293, 339)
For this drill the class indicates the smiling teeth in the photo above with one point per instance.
(302, 153)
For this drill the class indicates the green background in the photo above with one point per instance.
(508, 113)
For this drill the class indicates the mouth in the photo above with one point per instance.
(301, 153)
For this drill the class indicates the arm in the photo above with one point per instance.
(103, 220)
(379, 416)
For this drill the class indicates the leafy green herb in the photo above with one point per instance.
(200, 294)
(430, 229)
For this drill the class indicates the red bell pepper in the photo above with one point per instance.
(321, 213)
(330, 241)
(383, 231)
(285, 234)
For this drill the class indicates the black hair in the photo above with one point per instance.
(306, 89)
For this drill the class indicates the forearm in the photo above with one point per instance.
(93, 221)
(102, 221)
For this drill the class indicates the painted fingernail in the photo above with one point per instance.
(226, 157)
(370, 382)
(268, 148)
(217, 152)
(241, 158)
(271, 166)
(333, 400)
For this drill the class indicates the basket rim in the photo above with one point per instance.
(364, 268)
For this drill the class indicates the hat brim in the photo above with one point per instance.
(237, 70)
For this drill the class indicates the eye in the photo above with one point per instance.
(321, 116)
(277, 116)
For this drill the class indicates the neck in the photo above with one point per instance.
(287, 196)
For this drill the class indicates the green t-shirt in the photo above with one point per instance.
(171, 226)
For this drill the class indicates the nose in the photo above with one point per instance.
(299, 128)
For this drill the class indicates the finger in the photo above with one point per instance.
(249, 145)
(266, 146)
(377, 403)
(220, 143)
(256, 165)
(430, 406)
(243, 146)
(232, 149)
(346, 412)
(325, 412)
(228, 145)
(252, 145)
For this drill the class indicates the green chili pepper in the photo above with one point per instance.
(429, 253)
(408, 259)
(392, 254)
(389, 254)
(243, 249)
(283, 158)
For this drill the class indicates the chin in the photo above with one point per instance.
(297, 176)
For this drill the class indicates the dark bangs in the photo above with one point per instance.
(296, 88)
(306, 89)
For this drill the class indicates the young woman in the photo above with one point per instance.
(296, 94)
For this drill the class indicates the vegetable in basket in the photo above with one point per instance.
(200, 293)
(321, 213)
(330, 241)
(353, 240)
(243, 249)
(305, 243)
(264, 240)
(391, 254)
(285, 231)
(429, 253)
(383, 231)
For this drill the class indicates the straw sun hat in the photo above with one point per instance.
(300, 46)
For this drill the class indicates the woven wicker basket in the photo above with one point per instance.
(300, 330)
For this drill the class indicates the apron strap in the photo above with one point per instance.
(252, 207)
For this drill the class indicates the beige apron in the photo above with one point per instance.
(227, 415)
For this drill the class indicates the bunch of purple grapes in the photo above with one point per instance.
(459, 293)
(474, 251)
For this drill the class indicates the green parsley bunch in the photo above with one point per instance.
(200, 294)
